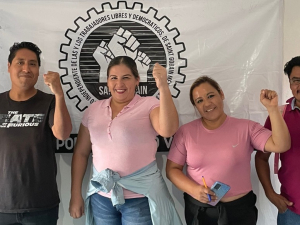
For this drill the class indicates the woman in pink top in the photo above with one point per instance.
(121, 132)
(219, 148)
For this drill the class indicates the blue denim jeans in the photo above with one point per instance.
(288, 218)
(134, 211)
(45, 217)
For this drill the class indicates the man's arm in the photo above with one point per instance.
(263, 172)
(62, 125)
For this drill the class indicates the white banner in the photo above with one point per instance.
(236, 42)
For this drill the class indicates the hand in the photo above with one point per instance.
(76, 208)
(200, 193)
(53, 81)
(269, 98)
(279, 201)
(160, 75)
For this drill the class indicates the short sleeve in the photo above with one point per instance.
(51, 112)
(178, 152)
(85, 117)
(153, 103)
(259, 135)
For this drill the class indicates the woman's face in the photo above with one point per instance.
(209, 102)
(122, 84)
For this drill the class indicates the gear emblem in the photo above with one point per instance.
(114, 31)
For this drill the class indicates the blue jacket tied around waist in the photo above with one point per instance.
(147, 181)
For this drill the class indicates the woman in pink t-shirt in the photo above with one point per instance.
(218, 147)
(121, 132)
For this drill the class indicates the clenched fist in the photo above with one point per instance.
(53, 81)
(160, 75)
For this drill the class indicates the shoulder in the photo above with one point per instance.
(189, 127)
(144, 104)
(93, 111)
(193, 123)
(290, 100)
(239, 121)
(98, 105)
(152, 98)
(242, 124)
(4, 98)
(3, 95)
(251, 126)
(45, 96)
(148, 100)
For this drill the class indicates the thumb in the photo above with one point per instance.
(262, 94)
(157, 65)
(287, 202)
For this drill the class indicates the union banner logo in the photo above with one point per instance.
(114, 31)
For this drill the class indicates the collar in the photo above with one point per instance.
(135, 99)
(292, 103)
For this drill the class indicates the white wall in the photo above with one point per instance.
(291, 48)
(291, 38)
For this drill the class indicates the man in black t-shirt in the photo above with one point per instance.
(30, 120)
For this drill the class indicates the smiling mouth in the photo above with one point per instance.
(209, 110)
(120, 91)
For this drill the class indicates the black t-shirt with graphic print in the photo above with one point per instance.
(27, 154)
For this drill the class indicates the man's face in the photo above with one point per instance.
(295, 84)
(24, 70)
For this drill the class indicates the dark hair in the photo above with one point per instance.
(127, 61)
(28, 45)
(288, 67)
(201, 80)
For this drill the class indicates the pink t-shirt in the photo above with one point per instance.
(126, 143)
(222, 154)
